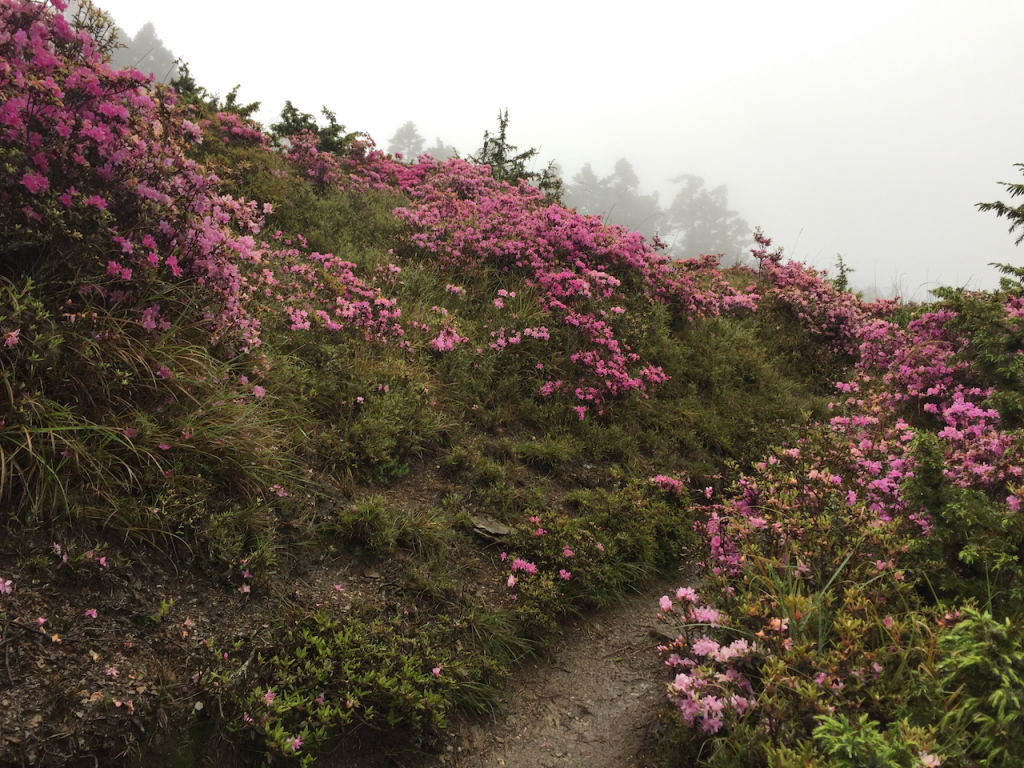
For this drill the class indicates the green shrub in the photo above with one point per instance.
(983, 675)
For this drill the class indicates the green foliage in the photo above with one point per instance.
(381, 528)
(190, 92)
(509, 165)
(331, 137)
(860, 744)
(975, 550)
(842, 659)
(323, 676)
(983, 671)
(102, 423)
(841, 282)
(1015, 215)
(549, 454)
(996, 341)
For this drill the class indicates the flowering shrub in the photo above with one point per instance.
(593, 281)
(822, 646)
(96, 168)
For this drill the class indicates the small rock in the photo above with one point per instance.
(489, 528)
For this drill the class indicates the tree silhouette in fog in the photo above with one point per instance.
(408, 141)
(615, 198)
(441, 151)
(699, 221)
(147, 53)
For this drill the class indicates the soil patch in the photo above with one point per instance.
(595, 700)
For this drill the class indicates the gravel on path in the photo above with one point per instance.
(596, 699)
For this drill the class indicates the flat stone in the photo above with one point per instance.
(489, 528)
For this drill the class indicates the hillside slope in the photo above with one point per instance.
(302, 448)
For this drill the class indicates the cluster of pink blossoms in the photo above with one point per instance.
(102, 152)
(710, 682)
(584, 273)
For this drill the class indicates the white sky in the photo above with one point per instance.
(869, 129)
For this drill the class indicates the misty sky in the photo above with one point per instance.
(868, 129)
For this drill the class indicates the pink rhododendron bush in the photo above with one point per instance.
(850, 581)
(119, 255)
(593, 284)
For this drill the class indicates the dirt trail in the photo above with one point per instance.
(592, 701)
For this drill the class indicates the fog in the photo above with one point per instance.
(867, 130)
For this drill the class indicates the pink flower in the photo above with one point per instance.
(129, 432)
(90, 612)
(711, 724)
(1013, 503)
(686, 593)
(511, 580)
(269, 697)
(112, 672)
(705, 646)
(41, 620)
(35, 183)
(246, 575)
(565, 574)
(700, 615)
(566, 552)
(887, 621)
(259, 392)
(665, 603)
(295, 744)
(338, 588)
(11, 339)
(436, 671)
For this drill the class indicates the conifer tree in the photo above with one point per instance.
(407, 141)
